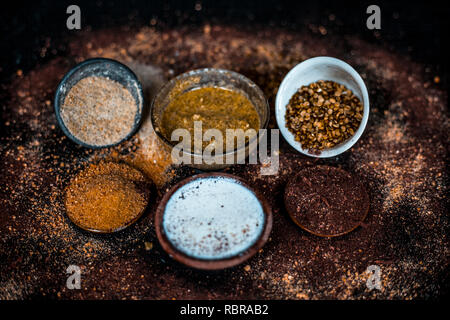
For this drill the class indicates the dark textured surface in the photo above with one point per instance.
(401, 158)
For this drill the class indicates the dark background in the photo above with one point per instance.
(419, 30)
(416, 29)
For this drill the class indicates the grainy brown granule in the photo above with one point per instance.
(99, 111)
(323, 115)
(106, 196)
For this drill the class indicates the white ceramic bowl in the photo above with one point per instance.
(312, 70)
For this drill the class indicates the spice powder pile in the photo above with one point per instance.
(323, 115)
(106, 196)
(99, 111)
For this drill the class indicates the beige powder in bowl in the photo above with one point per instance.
(99, 111)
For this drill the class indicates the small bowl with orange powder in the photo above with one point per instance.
(107, 197)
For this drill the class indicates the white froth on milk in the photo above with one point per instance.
(213, 218)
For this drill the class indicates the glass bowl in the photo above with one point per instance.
(106, 68)
(211, 77)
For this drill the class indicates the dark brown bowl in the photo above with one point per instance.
(289, 185)
(211, 264)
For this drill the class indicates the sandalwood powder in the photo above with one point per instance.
(107, 197)
(99, 111)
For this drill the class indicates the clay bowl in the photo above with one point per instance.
(293, 187)
(212, 264)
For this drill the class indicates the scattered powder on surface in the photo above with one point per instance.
(152, 156)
